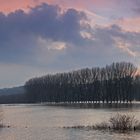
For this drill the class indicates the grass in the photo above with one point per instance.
(119, 122)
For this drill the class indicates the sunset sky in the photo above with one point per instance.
(38, 37)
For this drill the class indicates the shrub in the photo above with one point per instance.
(120, 122)
(123, 122)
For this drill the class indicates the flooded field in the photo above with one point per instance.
(43, 122)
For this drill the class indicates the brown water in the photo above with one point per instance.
(40, 122)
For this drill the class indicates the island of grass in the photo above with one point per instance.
(119, 122)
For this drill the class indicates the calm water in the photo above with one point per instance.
(38, 122)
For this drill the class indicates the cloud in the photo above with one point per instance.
(45, 33)
(114, 37)
(20, 31)
(129, 24)
(125, 47)
(51, 45)
(136, 8)
(47, 21)
(9, 6)
(50, 39)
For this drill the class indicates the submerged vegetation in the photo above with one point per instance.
(117, 83)
(1, 119)
(119, 122)
(123, 122)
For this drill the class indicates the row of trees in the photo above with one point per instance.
(114, 83)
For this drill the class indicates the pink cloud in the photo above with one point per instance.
(130, 24)
(8, 6)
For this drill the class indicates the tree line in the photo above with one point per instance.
(117, 82)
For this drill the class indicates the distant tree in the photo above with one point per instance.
(113, 83)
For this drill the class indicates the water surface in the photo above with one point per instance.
(41, 122)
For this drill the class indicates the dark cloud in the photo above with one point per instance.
(109, 44)
(44, 20)
(136, 6)
(115, 41)
(19, 30)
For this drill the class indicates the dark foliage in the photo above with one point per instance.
(16, 98)
(114, 83)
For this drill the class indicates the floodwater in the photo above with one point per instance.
(43, 122)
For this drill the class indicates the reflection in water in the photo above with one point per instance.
(41, 122)
(98, 105)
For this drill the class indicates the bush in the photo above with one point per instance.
(123, 122)
(120, 122)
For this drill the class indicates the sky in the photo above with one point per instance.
(39, 37)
